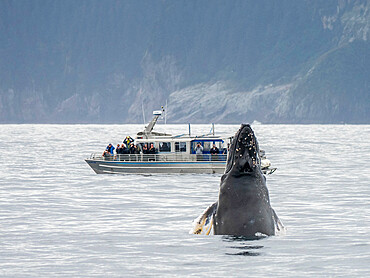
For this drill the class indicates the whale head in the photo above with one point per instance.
(243, 156)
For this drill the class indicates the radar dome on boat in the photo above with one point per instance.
(157, 112)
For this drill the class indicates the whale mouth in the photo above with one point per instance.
(244, 152)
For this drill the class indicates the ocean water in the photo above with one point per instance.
(59, 219)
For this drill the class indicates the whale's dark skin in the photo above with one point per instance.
(243, 206)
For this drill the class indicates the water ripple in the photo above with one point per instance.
(58, 218)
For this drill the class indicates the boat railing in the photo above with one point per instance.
(160, 157)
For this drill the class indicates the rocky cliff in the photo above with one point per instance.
(212, 61)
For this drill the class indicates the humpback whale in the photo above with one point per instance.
(243, 207)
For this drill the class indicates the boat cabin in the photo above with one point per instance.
(183, 145)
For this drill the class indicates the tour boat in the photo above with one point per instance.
(174, 154)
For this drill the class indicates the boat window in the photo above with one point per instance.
(180, 146)
(218, 145)
(207, 147)
(165, 146)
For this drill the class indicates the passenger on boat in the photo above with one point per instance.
(128, 140)
(199, 149)
(110, 149)
(163, 147)
(199, 152)
(107, 155)
(118, 149)
(133, 149)
(145, 149)
(226, 150)
(214, 150)
(124, 150)
(151, 149)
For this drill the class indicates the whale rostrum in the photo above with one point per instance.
(243, 207)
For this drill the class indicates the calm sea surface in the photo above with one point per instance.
(58, 218)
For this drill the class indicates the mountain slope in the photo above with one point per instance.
(220, 61)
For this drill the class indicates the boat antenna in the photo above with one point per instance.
(165, 114)
(142, 108)
(189, 130)
(212, 130)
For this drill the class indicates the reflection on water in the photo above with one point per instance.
(232, 238)
(245, 253)
(247, 244)
(248, 250)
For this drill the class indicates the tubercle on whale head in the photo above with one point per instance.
(243, 156)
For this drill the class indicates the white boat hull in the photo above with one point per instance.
(156, 167)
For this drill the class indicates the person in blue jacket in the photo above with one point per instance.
(110, 149)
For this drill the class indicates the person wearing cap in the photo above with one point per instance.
(128, 140)
(110, 149)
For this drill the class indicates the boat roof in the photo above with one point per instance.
(149, 135)
(181, 139)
